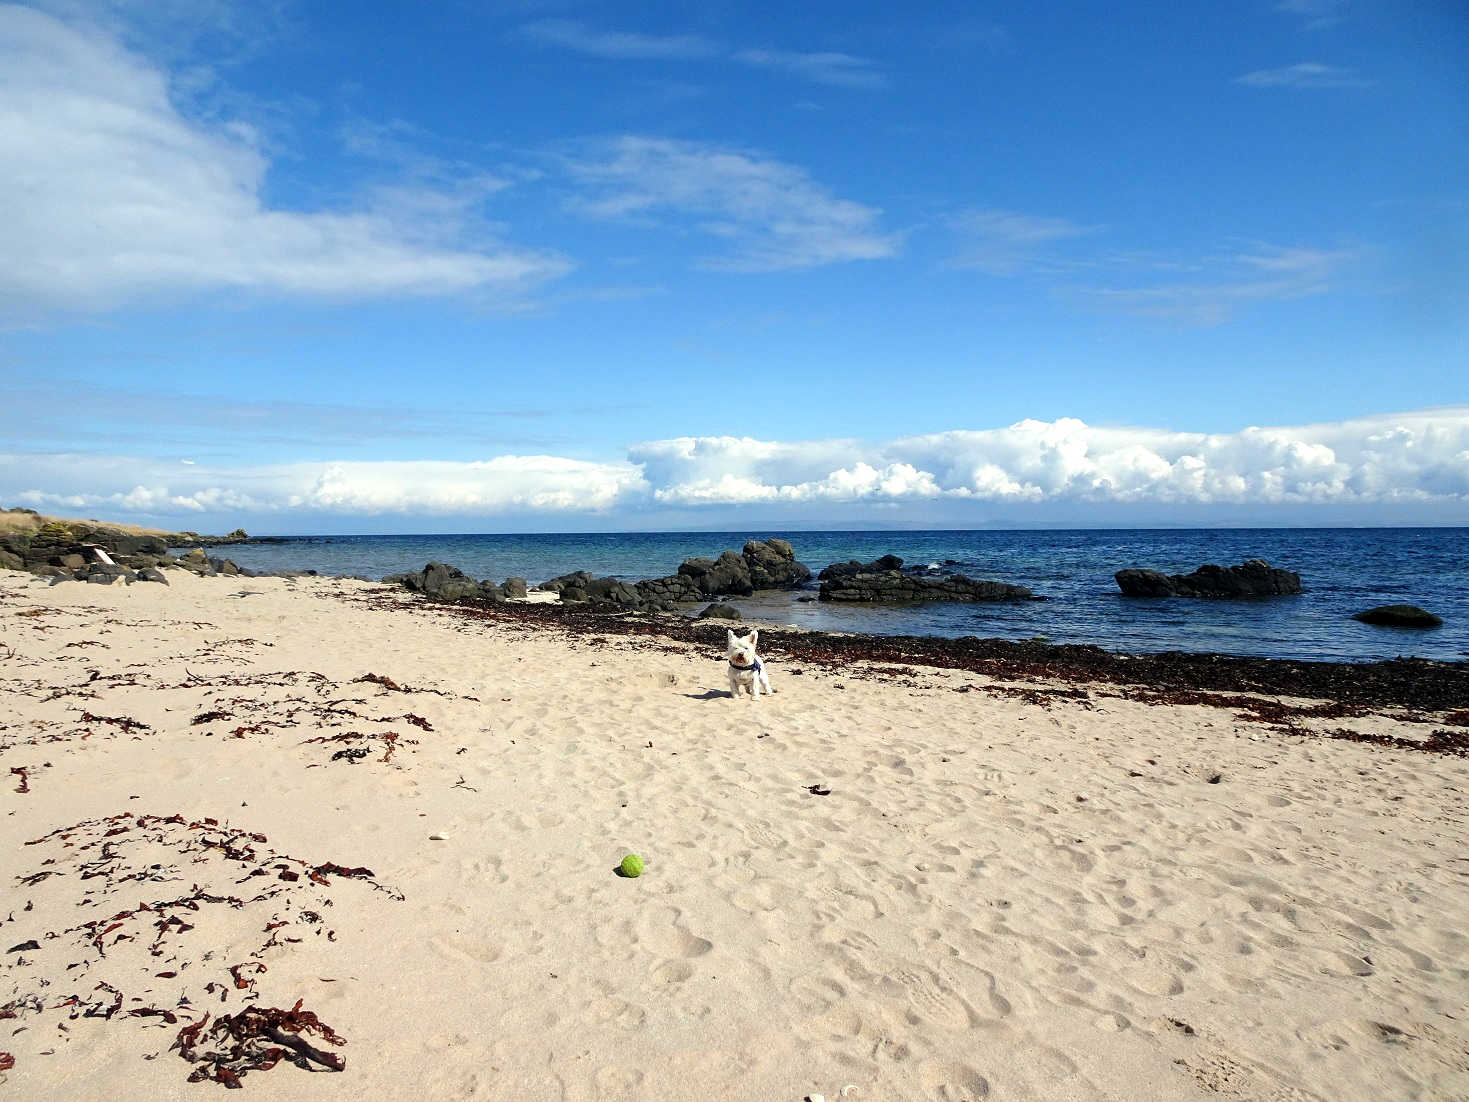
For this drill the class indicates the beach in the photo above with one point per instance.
(885, 881)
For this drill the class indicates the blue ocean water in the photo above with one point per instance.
(1343, 570)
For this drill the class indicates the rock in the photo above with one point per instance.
(896, 587)
(846, 569)
(772, 565)
(1399, 616)
(722, 612)
(514, 588)
(439, 581)
(727, 574)
(152, 574)
(572, 593)
(1250, 579)
(73, 561)
(9, 560)
(238, 534)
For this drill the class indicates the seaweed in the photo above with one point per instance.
(257, 1039)
(25, 779)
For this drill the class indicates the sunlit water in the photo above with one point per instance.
(1343, 570)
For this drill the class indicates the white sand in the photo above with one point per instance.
(996, 899)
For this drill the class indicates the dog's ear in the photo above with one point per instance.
(754, 634)
(730, 634)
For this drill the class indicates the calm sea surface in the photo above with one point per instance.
(1343, 570)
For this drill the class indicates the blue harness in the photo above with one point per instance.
(758, 666)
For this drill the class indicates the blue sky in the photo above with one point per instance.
(480, 266)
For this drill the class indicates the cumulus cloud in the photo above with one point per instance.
(772, 215)
(112, 195)
(1419, 459)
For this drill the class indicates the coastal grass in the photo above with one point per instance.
(25, 523)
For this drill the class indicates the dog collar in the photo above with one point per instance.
(755, 665)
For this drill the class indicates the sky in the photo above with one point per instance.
(554, 266)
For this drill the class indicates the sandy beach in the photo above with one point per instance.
(235, 793)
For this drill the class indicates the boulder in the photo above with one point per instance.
(772, 565)
(514, 588)
(896, 587)
(727, 574)
(720, 612)
(9, 560)
(1399, 616)
(152, 574)
(1250, 579)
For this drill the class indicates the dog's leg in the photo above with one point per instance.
(734, 685)
(765, 680)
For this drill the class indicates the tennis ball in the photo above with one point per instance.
(632, 865)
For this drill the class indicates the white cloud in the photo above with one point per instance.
(1305, 74)
(772, 214)
(1266, 273)
(1005, 242)
(1422, 457)
(507, 483)
(822, 67)
(1419, 459)
(573, 35)
(111, 196)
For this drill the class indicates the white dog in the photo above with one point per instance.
(746, 669)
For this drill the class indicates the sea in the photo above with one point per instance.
(1343, 571)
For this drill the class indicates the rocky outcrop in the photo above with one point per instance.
(847, 569)
(762, 564)
(1399, 616)
(896, 587)
(1250, 579)
(443, 582)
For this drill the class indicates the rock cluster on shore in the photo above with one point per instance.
(69, 551)
(884, 581)
(762, 564)
(1250, 579)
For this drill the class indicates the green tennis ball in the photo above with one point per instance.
(632, 865)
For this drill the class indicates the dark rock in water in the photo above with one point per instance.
(772, 565)
(722, 612)
(896, 587)
(1250, 579)
(847, 569)
(727, 574)
(763, 564)
(1399, 616)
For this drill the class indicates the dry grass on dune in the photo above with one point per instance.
(12, 523)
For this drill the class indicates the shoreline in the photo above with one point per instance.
(1416, 683)
(917, 881)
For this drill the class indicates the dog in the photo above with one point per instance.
(746, 669)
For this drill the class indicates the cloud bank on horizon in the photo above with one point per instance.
(1418, 458)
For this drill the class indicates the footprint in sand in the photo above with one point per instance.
(464, 948)
(614, 1011)
(951, 1081)
(934, 1000)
